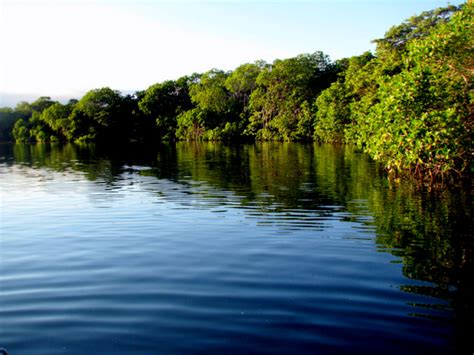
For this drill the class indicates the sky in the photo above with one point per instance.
(63, 48)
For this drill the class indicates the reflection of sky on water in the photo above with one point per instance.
(330, 198)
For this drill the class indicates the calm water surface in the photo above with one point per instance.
(206, 248)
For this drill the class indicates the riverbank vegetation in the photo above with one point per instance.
(409, 105)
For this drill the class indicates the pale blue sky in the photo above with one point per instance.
(64, 48)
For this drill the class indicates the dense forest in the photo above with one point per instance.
(409, 105)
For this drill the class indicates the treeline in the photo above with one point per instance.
(255, 101)
(409, 105)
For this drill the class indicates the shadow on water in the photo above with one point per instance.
(298, 186)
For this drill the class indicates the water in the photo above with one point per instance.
(207, 248)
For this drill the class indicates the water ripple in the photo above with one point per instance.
(151, 259)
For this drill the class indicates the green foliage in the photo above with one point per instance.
(99, 116)
(240, 85)
(393, 46)
(8, 117)
(82, 128)
(191, 125)
(334, 119)
(30, 127)
(416, 27)
(421, 120)
(20, 131)
(41, 104)
(160, 105)
(24, 109)
(279, 105)
(57, 118)
(410, 106)
(333, 114)
(220, 101)
(210, 93)
(38, 130)
(242, 81)
(101, 105)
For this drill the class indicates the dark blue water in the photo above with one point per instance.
(204, 248)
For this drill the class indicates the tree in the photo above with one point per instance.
(393, 46)
(416, 27)
(100, 115)
(40, 131)
(30, 127)
(57, 118)
(333, 114)
(24, 110)
(210, 93)
(8, 117)
(283, 95)
(20, 131)
(409, 106)
(161, 104)
(242, 81)
(422, 121)
(41, 104)
(215, 115)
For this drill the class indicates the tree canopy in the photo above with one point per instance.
(408, 105)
